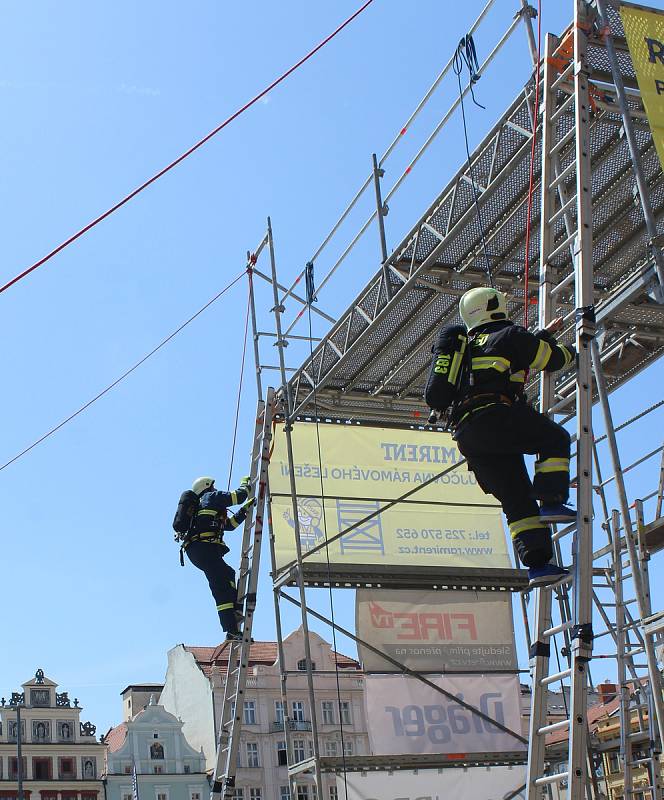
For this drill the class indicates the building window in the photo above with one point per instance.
(127, 796)
(249, 712)
(302, 665)
(239, 794)
(255, 793)
(157, 751)
(298, 750)
(42, 769)
(328, 712)
(284, 793)
(614, 762)
(66, 768)
(302, 793)
(88, 768)
(127, 769)
(279, 712)
(187, 769)
(161, 795)
(346, 718)
(252, 754)
(331, 749)
(195, 796)
(88, 795)
(334, 795)
(157, 769)
(282, 755)
(13, 767)
(298, 711)
(348, 747)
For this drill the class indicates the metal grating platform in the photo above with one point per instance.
(370, 576)
(374, 361)
(411, 761)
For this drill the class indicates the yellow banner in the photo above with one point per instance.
(644, 30)
(450, 523)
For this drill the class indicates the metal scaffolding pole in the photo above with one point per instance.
(630, 541)
(280, 344)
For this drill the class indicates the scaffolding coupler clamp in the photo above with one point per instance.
(582, 641)
(539, 649)
(586, 322)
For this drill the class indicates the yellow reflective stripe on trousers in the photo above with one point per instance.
(498, 363)
(456, 362)
(552, 465)
(225, 606)
(542, 356)
(526, 524)
(518, 377)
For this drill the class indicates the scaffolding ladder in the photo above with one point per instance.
(228, 743)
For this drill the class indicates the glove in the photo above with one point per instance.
(248, 504)
(245, 483)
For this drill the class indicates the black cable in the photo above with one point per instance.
(466, 56)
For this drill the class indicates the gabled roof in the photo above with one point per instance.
(116, 736)
(265, 653)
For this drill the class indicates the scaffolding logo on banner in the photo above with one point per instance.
(407, 716)
(368, 536)
(434, 631)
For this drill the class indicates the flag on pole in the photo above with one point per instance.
(134, 780)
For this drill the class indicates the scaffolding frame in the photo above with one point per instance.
(371, 365)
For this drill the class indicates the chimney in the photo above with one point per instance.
(607, 692)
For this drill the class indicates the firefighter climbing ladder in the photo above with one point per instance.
(238, 657)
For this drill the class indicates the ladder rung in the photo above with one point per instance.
(557, 778)
(564, 75)
(565, 207)
(563, 108)
(564, 174)
(558, 250)
(556, 726)
(557, 676)
(558, 146)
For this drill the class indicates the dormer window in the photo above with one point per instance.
(302, 665)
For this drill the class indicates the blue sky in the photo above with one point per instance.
(96, 98)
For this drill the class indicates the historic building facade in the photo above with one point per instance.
(61, 757)
(194, 692)
(152, 744)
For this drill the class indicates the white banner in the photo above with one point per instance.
(407, 716)
(436, 631)
(476, 783)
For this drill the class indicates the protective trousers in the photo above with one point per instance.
(210, 559)
(494, 441)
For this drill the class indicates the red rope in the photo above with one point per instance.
(239, 389)
(122, 377)
(531, 178)
(184, 155)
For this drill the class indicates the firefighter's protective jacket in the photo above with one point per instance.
(212, 518)
(488, 366)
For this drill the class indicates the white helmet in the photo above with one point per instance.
(481, 305)
(201, 484)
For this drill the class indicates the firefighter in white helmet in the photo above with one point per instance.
(477, 378)
(205, 548)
